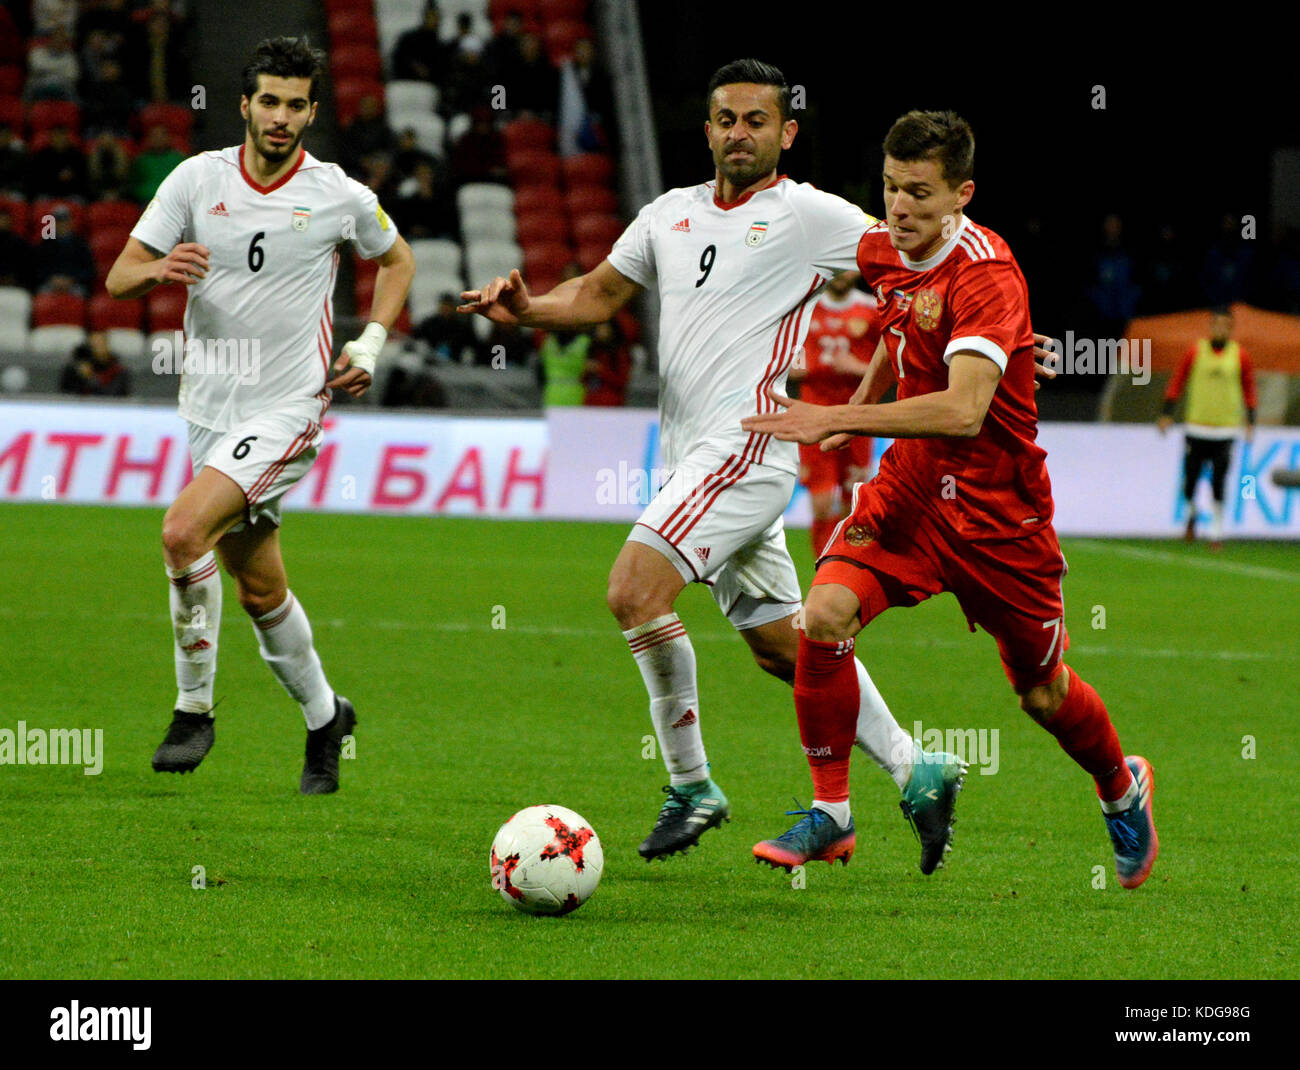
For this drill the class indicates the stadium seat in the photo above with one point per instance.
(458, 126)
(11, 112)
(485, 195)
(525, 134)
(594, 228)
(166, 308)
(582, 200)
(55, 309)
(106, 245)
(592, 253)
(363, 291)
(107, 312)
(131, 346)
(547, 258)
(436, 256)
(560, 37)
(15, 311)
(493, 226)
(543, 198)
(487, 259)
(171, 117)
(588, 169)
(430, 131)
(47, 114)
(551, 10)
(38, 211)
(534, 168)
(499, 9)
(353, 24)
(42, 138)
(18, 210)
(348, 94)
(394, 18)
(12, 78)
(113, 215)
(356, 61)
(427, 291)
(534, 227)
(405, 95)
(55, 342)
(333, 6)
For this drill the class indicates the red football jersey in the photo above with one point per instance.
(836, 327)
(969, 295)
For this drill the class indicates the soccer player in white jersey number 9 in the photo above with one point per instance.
(252, 232)
(739, 263)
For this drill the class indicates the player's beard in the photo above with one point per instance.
(272, 153)
(743, 175)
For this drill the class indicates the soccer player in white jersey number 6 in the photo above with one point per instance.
(739, 263)
(252, 232)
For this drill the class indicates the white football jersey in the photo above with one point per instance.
(259, 327)
(736, 285)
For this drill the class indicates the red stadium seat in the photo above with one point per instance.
(166, 306)
(45, 114)
(171, 117)
(348, 93)
(543, 281)
(107, 312)
(42, 138)
(583, 200)
(11, 80)
(11, 113)
(353, 26)
(113, 215)
(18, 212)
(590, 255)
(552, 10)
(106, 245)
(363, 291)
(499, 9)
(534, 168)
(50, 310)
(547, 258)
(333, 6)
(538, 198)
(356, 61)
(559, 38)
(593, 228)
(38, 210)
(589, 169)
(525, 134)
(532, 228)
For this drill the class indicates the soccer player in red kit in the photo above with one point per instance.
(962, 501)
(837, 354)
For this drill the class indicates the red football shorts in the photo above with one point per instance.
(822, 472)
(892, 552)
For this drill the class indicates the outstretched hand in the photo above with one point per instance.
(799, 422)
(503, 300)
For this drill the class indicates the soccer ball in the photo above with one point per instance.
(546, 860)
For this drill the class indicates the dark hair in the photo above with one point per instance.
(756, 71)
(934, 135)
(284, 57)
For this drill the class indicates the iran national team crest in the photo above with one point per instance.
(301, 217)
(927, 309)
(757, 232)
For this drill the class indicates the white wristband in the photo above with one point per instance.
(364, 351)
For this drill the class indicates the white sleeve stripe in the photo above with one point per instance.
(982, 240)
(982, 346)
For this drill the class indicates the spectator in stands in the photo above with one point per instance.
(95, 370)
(58, 169)
(155, 162)
(109, 163)
(13, 162)
(1226, 269)
(479, 154)
(466, 40)
(426, 207)
(378, 174)
(168, 68)
(501, 55)
(15, 254)
(509, 345)
(1166, 287)
(110, 104)
(411, 383)
(421, 54)
(534, 86)
(366, 135)
(106, 32)
(450, 336)
(52, 69)
(51, 15)
(64, 263)
(408, 155)
(467, 85)
(586, 102)
(608, 366)
(1113, 293)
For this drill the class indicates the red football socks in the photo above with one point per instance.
(1082, 727)
(826, 702)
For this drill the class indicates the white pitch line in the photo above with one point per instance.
(1259, 572)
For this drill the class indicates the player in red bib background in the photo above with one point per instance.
(962, 501)
(837, 353)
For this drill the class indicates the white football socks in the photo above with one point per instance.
(666, 659)
(880, 736)
(284, 636)
(195, 596)
(840, 811)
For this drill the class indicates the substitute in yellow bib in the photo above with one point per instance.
(1220, 384)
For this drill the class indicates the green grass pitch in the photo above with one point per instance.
(462, 723)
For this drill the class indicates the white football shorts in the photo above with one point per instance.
(265, 455)
(718, 519)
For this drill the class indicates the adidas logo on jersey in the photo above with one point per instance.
(702, 552)
(686, 719)
(218, 209)
(684, 225)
